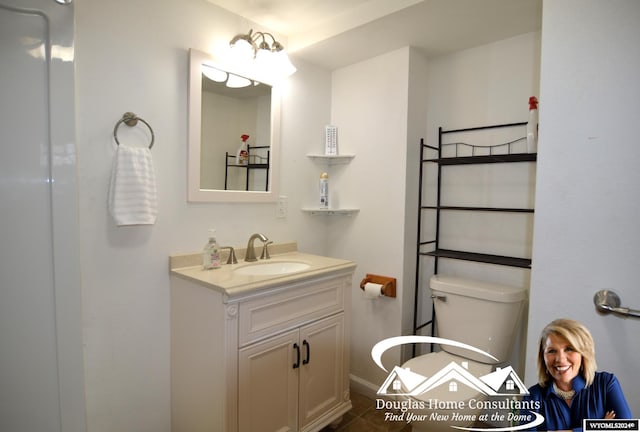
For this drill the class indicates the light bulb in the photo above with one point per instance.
(282, 64)
(242, 51)
(214, 74)
(236, 81)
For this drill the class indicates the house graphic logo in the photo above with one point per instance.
(502, 382)
(404, 382)
(499, 392)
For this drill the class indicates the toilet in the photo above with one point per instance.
(484, 315)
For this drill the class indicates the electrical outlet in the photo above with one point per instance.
(281, 211)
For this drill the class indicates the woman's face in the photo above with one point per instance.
(562, 361)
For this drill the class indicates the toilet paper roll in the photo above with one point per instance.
(372, 290)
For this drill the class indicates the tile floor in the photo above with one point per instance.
(364, 417)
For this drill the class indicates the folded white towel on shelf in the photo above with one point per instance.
(132, 191)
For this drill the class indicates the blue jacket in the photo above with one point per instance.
(589, 402)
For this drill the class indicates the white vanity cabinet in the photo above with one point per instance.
(288, 381)
(271, 358)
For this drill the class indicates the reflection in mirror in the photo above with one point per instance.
(233, 134)
(228, 114)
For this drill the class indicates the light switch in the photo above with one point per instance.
(281, 211)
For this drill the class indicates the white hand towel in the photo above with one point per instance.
(132, 191)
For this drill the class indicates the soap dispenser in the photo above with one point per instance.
(211, 253)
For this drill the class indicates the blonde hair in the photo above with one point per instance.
(579, 338)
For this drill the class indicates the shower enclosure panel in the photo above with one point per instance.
(41, 359)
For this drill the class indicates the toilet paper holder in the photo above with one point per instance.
(388, 284)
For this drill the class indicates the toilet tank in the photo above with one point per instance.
(484, 315)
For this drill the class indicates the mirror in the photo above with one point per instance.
(218, 117)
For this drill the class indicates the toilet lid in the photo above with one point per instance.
(447, 377)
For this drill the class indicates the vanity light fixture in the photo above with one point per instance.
(267, 54)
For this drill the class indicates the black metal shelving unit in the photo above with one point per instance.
(500, 153)
(255, 162)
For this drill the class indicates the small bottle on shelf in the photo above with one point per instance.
(242, 156)
(532, 126)
(324, 190)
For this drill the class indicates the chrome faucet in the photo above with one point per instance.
(250, 254)
(265, 250)
(232, 255)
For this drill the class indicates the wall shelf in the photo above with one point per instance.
(320, 211)
(480, 257)
(332, 159)
(488, 209)
(485, 159)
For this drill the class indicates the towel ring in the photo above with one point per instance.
(130, 119)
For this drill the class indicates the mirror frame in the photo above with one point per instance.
(194, 192)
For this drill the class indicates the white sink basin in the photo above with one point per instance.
(271, 268)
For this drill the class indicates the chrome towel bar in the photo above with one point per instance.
(607, 301)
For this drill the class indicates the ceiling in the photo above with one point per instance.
(335, 33)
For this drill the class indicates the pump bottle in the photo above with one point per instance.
(211, 253)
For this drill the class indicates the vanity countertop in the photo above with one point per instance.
(227, 281)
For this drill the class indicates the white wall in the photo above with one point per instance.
(370, 103)
(486, 85)
(586, 228)
(132, 57)
(382, 106)
(417, 126)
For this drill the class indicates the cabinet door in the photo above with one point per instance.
(268, 384)
(321, 369)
